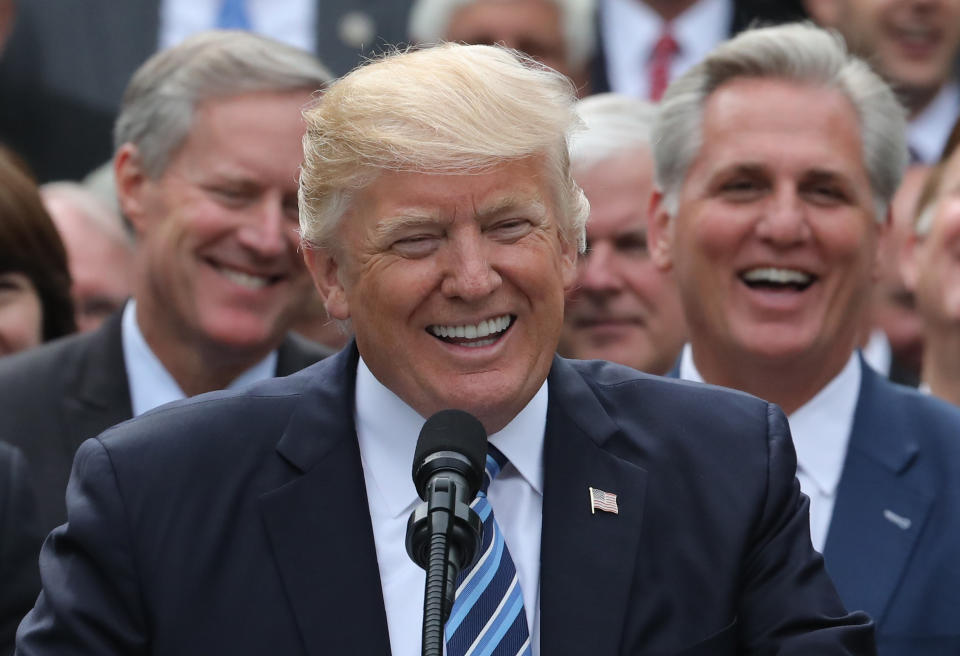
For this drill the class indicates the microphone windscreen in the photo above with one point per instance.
(453, 431)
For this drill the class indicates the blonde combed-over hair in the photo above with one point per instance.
(449, 109)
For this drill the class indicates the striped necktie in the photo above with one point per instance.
(488, 618)
(233, 15)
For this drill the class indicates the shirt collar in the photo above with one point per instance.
(928, 132)
(821, 427)
(388, 429)
(151, 385)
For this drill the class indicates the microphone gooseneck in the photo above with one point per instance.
(444, 532)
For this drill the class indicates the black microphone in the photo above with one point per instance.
(444, 532)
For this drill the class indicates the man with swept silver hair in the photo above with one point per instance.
(207, 151)
(777, 157)
(631, 514)
(622, 307)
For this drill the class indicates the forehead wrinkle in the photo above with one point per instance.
(531, 206)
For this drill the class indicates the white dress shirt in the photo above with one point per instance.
(290, 21)
(927, 133)
(151, 385)
(821, 433)
(387, 430)
(630, 30)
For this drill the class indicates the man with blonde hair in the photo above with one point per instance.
(631, 514)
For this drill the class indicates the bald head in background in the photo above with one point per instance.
(99, 250)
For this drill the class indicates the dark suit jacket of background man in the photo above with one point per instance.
(903, 569)
(237, 523)
(54, 397)
(19, 542)
(68, 62)
(893, 547)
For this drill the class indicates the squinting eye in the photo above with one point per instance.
(511, 229)
(416, 246)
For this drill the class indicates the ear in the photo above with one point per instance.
(569, 253)
(659, 232)
(826, 13)
(884, 246)
(132, 185)
(908, 260)
(324, 267)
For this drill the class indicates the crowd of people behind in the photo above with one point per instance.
(201, 196)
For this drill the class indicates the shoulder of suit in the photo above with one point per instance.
(21, 372)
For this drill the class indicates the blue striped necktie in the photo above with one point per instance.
(233, 15)
(488, 618)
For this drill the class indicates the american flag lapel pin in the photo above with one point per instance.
(604, 501)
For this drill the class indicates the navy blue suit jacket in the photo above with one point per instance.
(237, 523)
(893, 548)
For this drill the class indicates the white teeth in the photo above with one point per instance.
(480, 330)
(777, 276)
(245, 279)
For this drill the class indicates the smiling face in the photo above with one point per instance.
(914, 43)
(774, 240)
(531, 26)
(622, 308)
(454, 285)
(217, 240)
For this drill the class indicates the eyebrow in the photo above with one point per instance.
(412, 219)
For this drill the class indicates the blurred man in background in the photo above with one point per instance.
(931, 271)
(914, 44)
(558, 33)
(622, 307)
(99, 249)
(776, 161)
(208, 149)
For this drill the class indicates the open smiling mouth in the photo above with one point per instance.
(485, 333)
(248, 280)
(775, 279)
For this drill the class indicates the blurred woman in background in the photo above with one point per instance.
(35, 303)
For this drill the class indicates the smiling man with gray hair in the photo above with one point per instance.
(777, 157)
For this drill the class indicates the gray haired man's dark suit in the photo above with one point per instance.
(54, 397)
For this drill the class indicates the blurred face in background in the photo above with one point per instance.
(622, 308)
(935, 274)
(21, 314)
(913, 43)
(101, 263)
(217, 230)
(894, 307)
(531, 26)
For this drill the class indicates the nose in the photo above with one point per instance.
(470, 276)
(598, 270)
(267, 231)
(783, 219)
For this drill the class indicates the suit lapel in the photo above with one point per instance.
(319, 522)
(96, 393)
(878, 516)
(586, 564)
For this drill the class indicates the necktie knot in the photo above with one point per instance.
(496, 461)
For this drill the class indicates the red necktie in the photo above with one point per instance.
(663, 52)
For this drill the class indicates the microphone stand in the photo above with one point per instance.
(443, 535)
